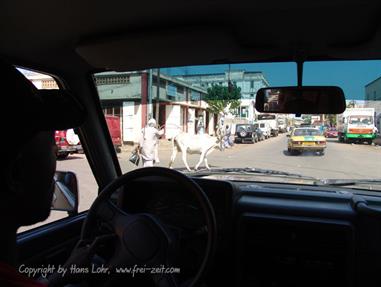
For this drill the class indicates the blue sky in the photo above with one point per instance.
(351, 76)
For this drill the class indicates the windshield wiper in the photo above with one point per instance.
(246, 170)
(346, 182)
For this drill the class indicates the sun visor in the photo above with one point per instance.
(169, 48)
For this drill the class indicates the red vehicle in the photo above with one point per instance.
(67, 142)
(113, 124)
(331, 133)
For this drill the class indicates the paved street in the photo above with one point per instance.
(340, 161)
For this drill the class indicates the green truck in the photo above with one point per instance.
(356, 125)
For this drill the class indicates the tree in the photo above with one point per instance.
(351, 104)
(307, 119)
(332, 120)
(219, 97)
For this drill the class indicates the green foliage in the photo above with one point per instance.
(351, 104)
(219, 97)
(332, 120)
(306, 119)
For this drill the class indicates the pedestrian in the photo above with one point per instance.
(321, 128)
(200, 126)
(222, 119)
(148, 143)
(227, 136)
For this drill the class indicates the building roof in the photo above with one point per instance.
(214, 74)
(375, 80)
(162, 76)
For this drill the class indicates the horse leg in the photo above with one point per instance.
(184, 154)
(173, 157)
(206, 163)
(206, 159)
(202, 157)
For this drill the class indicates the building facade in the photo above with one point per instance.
(176, 105)
(373, 99)
(249, 82)
(373, 90)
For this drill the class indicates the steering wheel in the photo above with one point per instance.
(142, 239)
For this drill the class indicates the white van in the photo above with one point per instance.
(265, 127)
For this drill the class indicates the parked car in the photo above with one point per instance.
(259, 132)
(67, 142)
(331, 133)
(246, 133)
(266, 129)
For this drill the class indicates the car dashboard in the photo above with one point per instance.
(273, 234)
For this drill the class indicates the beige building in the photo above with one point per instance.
(177, 107)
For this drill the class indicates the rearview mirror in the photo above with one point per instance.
(65, 197)
(301, 100)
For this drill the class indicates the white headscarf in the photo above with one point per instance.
(152, 123)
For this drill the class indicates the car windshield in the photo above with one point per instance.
(247, 128)
(199, 111)
(360, 120)
(307, 132)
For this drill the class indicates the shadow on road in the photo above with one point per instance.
(302, 154)
(70, 157)
(336, 141)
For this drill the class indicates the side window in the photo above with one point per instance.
(70, 156)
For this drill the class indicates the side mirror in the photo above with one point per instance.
(65, 197)
(288, 135)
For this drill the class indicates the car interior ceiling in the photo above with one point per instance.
(268, 234)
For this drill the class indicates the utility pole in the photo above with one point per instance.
(157, 95)
(149, 114)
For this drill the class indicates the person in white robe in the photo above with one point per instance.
(149, 143)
